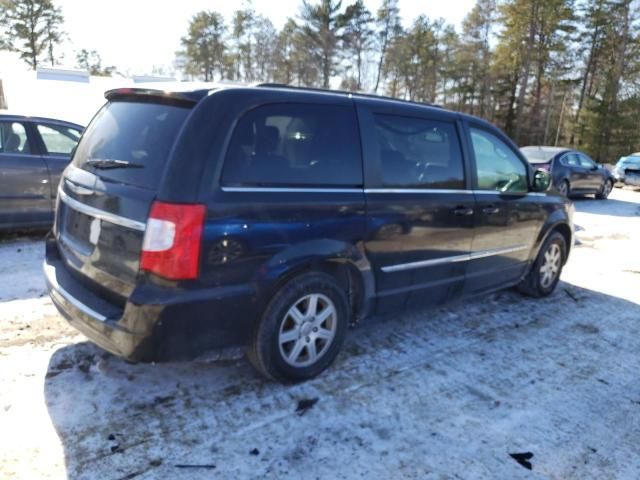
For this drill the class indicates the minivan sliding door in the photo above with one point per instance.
(419, 213)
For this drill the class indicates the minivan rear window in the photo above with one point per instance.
(295, 145)
(129, 142)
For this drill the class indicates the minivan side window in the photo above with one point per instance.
(13, 138)
(58, 139)
(418, 152)
(497, 166)
(295, 145)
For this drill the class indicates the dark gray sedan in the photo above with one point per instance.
(572, 172)
(33, 153)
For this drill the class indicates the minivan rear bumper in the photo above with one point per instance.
(156, 323)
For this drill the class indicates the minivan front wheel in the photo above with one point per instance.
(545, 272)
(302, 329)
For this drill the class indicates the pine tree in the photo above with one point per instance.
(32, 28)
(358, 38)
(323, 28)
(389, 27)
(203, 53)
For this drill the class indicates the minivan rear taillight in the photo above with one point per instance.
(172, 240)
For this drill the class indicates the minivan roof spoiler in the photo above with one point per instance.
(187, 98)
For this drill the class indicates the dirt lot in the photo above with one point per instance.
(443, 393)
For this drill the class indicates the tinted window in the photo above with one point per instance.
(497, 166)
(13, 138)
(141, 134)
(417, 152)
(295, 145)
(58, 140)
(586, 162)
(571, 160)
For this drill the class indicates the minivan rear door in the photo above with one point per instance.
(106, 193)
(419, 209)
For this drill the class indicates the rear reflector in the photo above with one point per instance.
(172, 240)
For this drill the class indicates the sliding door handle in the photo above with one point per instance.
(463, 211)
(490, 210)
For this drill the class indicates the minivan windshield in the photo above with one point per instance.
(129, 142)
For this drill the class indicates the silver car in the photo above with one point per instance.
(627, 170)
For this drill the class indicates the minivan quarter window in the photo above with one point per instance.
(419, 153)
(497, 166)
(291, 145)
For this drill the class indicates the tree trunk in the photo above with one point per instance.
(616, 76)
(526, 69)
(585, 79)
(3, 100)
(383, 51)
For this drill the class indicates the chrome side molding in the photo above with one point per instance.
(453, 259)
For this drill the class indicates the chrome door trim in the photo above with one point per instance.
(496, 251)
(426, 263)
(453, 259)
(423, 191)
(291, 190)
(433, 191)
(101, 214)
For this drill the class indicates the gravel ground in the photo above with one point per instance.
(441, 393)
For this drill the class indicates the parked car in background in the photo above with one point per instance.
(627, 170)
(33, 153)
(274, 217)
(573, 172)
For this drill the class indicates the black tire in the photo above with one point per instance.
(564, 188)
(533, 284)
(265, 352)
(607, 186)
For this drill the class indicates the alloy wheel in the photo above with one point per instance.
(563, 188)
(550, 268)
(307, 330)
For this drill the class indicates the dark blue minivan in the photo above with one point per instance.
(275, 217)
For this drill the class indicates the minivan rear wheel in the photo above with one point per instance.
(302, 329)
(545, 273)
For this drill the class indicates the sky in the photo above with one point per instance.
(136, 35)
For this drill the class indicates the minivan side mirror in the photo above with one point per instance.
(541, 181)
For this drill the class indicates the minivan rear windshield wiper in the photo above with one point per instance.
(108, 163)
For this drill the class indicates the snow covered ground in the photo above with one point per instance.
(441, 393)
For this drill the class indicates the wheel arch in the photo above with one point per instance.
(560, 226)
(346, 263)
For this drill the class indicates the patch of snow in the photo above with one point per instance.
(448, 392)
